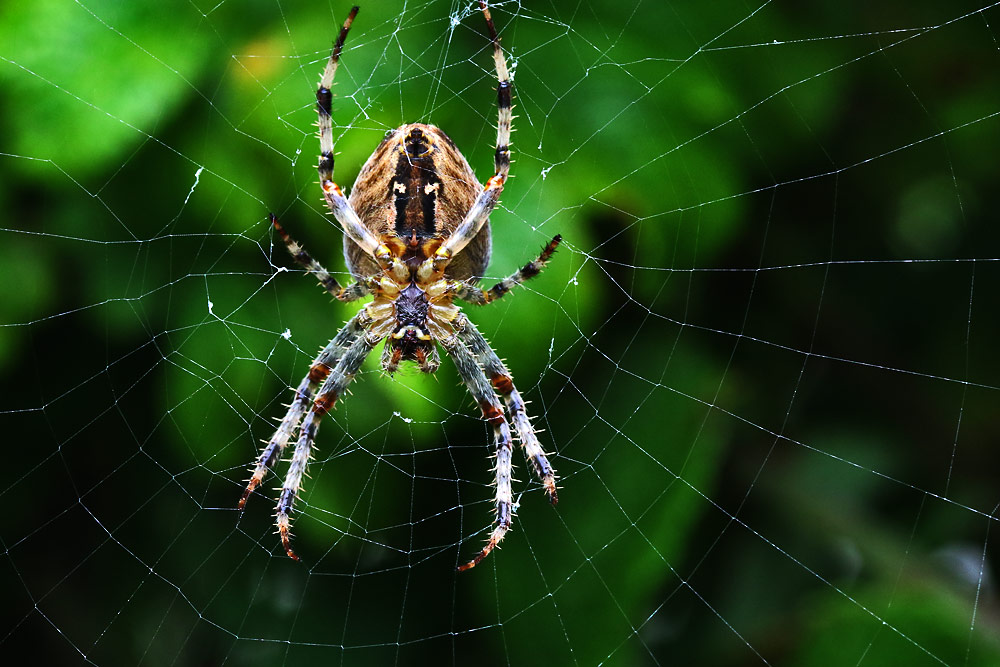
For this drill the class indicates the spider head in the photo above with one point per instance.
(411, 341)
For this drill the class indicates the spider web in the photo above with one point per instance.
(764, 359)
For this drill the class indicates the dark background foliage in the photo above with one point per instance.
(765, 359)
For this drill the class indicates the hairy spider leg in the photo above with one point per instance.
(503, 383)
(352, 292)
(334, 196)
(333, 387)
(481, 297)
(328, 358)
(324, 102)
(474, 378)
(488, 198)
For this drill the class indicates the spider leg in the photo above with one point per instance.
(328, 359)
(324, 102)
(335, 199)
(488, 402)
(501, 380)
(481, 297)
(352, 292)
(488, 198)
(333, 387)
(501, 160)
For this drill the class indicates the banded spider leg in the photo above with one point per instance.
(480, 210)
(328, 357)
(333, 387)
(474, 378)
(483, 372)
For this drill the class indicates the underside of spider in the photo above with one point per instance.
(416, 239)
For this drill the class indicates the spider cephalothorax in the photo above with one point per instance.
(410, 341)
(416, 238)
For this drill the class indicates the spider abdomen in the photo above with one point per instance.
(417, 186)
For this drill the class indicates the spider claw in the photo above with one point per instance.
(252, 484)
(284, 529)
(550, 489)
(478, 559)
(495, 537)
(472, 563)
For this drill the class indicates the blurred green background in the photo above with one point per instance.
(765, 360)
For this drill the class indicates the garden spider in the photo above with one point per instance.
(417, 237)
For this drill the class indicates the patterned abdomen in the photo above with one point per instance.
(424, 195)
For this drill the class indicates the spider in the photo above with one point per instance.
(416, 238)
